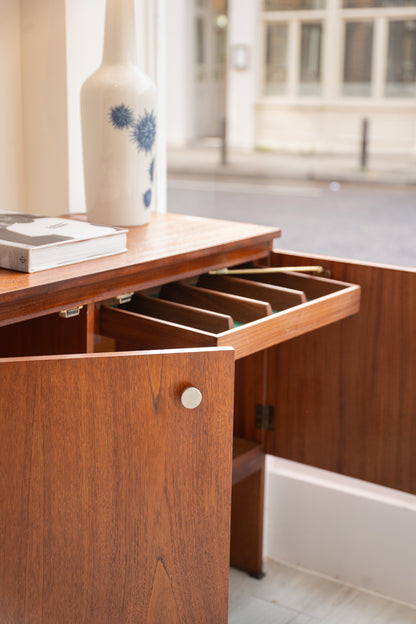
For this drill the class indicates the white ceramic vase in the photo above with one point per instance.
(119, 122)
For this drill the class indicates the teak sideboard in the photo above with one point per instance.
(139, 395)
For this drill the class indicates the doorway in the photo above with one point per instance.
(210, 67)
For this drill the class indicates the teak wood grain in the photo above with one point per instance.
(206, 320)
(48, 335)
(346, 394)
(279, 297)
(114, 498)
(312, 285)
(144, 332)
(137, 331)
(242, 309)
(170, 247)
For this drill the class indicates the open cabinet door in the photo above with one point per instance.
(114, 497)
(345, 395)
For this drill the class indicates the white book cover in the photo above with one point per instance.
(31, 243)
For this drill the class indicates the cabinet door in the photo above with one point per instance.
(345, 395)
(114, 497)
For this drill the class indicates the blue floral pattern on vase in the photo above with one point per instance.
(147, 198)
(152, 169)
(142, 133)
(121, 116)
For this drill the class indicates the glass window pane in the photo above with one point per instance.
(365, 4)
(200, 41)
(293, 5)
(310, 59)
(276, 59)
(358, 58)
(401, 59)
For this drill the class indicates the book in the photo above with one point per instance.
(32, 243)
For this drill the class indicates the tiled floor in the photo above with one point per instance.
(290, 596)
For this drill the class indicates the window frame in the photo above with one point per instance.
(381, 18)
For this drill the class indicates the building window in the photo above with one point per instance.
(310, 59)
(293, 5)
(358, 58)
(401, 59)
(276, 59)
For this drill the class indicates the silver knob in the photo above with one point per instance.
(191, 398)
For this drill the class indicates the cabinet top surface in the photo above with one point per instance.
(170, 244)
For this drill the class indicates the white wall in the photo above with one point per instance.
(180, 73)
(11, 146)
(354, 531)
(33, 137)
(243, 21)
(44, 106)
(335, 128)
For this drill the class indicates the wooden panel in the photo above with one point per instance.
(312, 285)
(345, 396)
(115, 499)
(206, 320)
(247, 523)
(49, 335)
(144, 332)
(292, 322)
(242, 309)
(170, 247)
(279, 298)
(248, 497)
(248, 457)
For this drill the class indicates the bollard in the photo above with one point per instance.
(364, 142)
(223, 141)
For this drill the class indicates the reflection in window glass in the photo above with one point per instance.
(310, 59)
(360, 4)
(199, 49)
(401, 59)
(220, 51)
(276, 59)
(358, 58)
(293, 5)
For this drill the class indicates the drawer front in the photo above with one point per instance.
(248, 312)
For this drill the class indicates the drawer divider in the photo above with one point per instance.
(242, 309)
(280, 298)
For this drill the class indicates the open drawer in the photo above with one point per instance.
(247, 312)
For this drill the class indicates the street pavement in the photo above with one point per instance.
(206, 162)
(365, 219)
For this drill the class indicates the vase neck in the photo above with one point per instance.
(119, 36)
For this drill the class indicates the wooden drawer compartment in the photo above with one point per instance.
(248, 312)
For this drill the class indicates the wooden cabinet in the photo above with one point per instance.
(115, 498)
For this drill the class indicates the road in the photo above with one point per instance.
(375, 224)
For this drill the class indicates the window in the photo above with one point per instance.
(310, 59)
(358, 58)
(276, 59)
(401, 59)
(293, 5)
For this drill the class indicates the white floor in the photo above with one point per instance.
(287, 595)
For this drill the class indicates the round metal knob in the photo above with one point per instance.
(191, 398)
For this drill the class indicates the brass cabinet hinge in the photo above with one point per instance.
(265, 419)
(70, 312)
(124, 298)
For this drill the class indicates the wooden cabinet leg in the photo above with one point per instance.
(247, 524)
